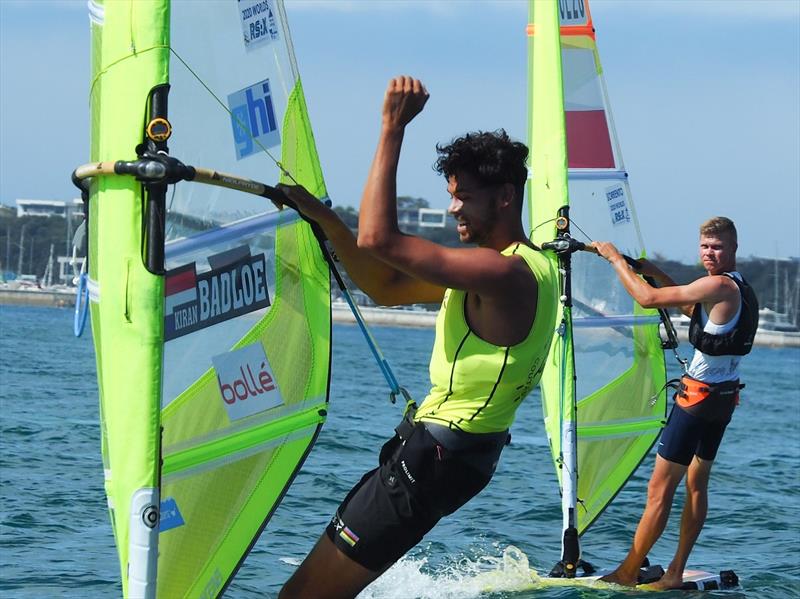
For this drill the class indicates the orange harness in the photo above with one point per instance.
(691, 391)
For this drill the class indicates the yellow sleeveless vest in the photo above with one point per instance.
(478, 386)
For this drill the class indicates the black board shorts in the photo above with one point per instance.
(417, 483)
(696, 431)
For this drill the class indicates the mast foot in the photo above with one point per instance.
(564, 570)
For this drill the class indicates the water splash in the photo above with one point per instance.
(465, 579)
(469, 578)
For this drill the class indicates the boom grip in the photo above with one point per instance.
(632, 262)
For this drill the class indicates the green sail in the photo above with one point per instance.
(605, 374)
(213, 374)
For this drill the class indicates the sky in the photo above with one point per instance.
(705, 96)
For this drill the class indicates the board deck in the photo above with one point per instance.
(692, 580)
(526, 579)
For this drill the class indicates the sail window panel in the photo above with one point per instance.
(224, 73)
(203, 136)
(588, 138)
(602, 209)
(196, 319)
(572, 13)
(285, 340)
(202, 77)
(602, 353)
(595, 293)
(187, 358)
(225, 95)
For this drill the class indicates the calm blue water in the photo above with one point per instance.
(55, 538)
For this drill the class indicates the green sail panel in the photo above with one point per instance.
(214, 376)
(606, 370)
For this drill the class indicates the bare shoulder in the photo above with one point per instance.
(726, 285)
(503, 313)
(520, 280)
(716, 288)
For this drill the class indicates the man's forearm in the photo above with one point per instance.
(368, 272)
(635, 286)
(377, 222)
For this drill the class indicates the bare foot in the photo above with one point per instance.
(670, 580)
(616, 578)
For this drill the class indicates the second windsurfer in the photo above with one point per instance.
(724, 313)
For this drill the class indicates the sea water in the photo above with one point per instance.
(56, 540)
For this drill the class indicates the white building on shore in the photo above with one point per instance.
(64, 209)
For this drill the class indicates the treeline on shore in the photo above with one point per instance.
(776, 282)
(25, 242)
(25, 249)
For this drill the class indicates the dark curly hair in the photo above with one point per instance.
(491, 157)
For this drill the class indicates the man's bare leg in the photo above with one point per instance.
(327, 573)
(692, 520)
(660, 492)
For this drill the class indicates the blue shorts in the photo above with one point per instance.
(691, 434)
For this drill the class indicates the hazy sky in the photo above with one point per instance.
(705, 96)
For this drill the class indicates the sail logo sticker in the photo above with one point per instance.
(170, 515)
(235, 285)
(571, 12)
(253, 119)
(246, 381)
(259, 26)
(618, 205)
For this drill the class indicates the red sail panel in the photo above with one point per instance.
(588, 140)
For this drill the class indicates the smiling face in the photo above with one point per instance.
(718, 253)
(474, 206)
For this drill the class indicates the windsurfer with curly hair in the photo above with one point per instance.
(498, 305)
(724, 313)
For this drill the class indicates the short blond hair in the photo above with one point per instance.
(717, 226)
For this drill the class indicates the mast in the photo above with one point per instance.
(21, 247)
(130, 57)
(549, 201)
(47, 276)
(775, 293)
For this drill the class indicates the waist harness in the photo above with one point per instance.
(710, 401)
